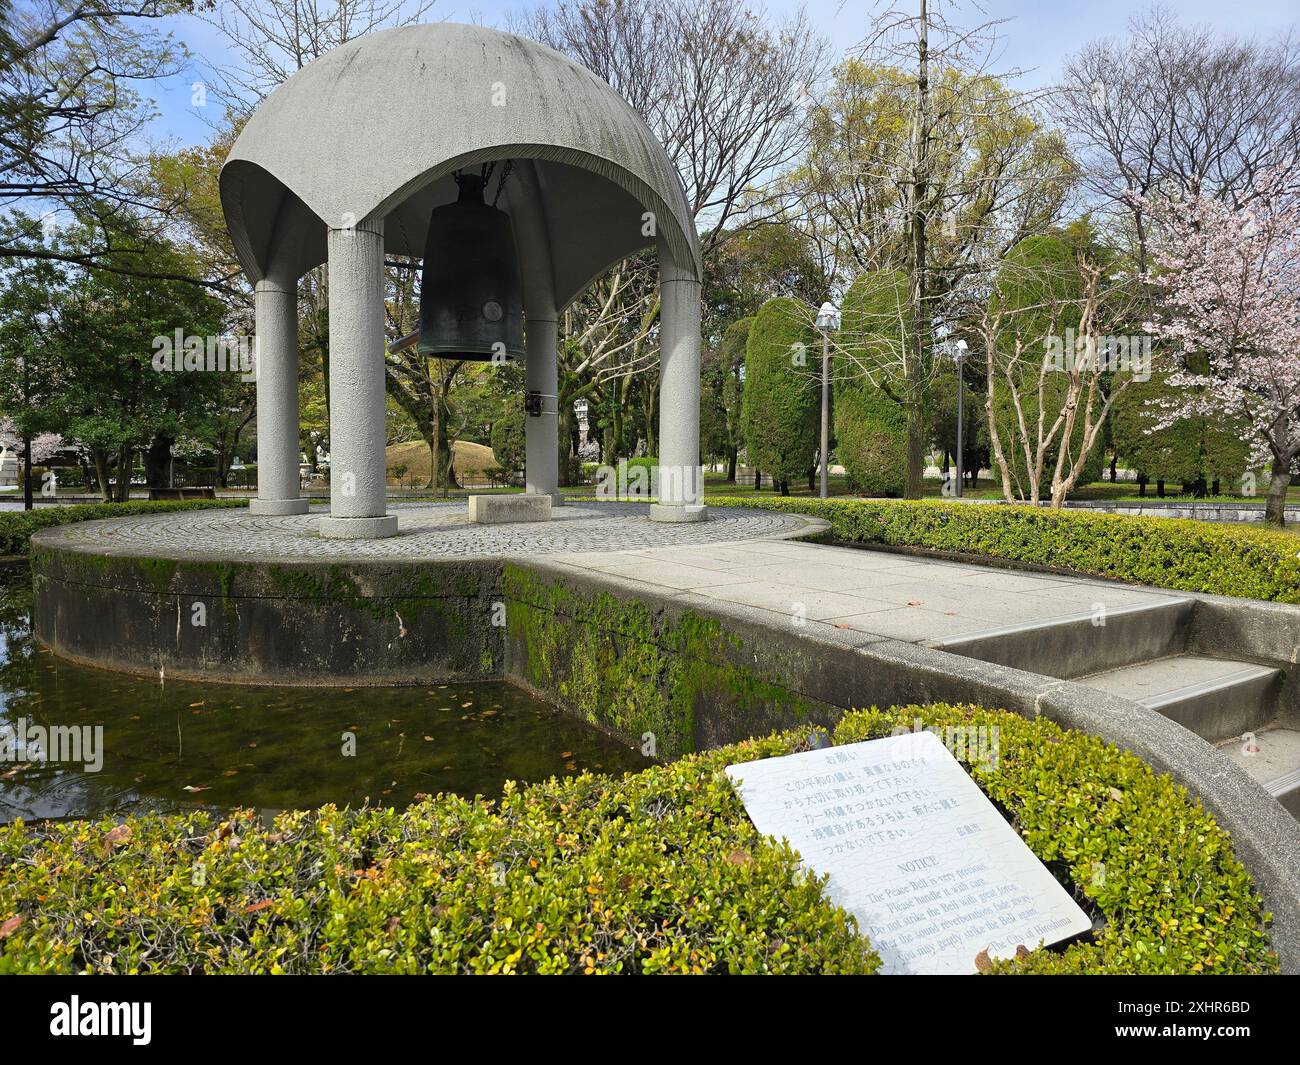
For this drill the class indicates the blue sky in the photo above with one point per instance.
(1039, 37)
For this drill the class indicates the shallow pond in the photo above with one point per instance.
(177, 745)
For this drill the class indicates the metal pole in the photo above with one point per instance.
(826, 412)
(961, 389)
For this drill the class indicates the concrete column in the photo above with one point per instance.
(681, 480)
(278, 483)
(533, 245)
(358, 508)
(542, 433)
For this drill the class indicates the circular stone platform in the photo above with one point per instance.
(227, 595)
(426, 531)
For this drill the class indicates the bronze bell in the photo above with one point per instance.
(470, 302)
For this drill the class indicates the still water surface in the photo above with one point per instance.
(177, 745)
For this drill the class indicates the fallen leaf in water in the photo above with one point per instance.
(196, 787)
(420, 796)
(204, 703)
(570, 766)
(566, 754)
(463, 705)
(231, 773)
(489, 713)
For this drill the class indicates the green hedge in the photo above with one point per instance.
(17, 526)
(657, 872)
(660, 871)
(1192, 556)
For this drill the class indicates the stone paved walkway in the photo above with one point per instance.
(890, 595)
(426, 530)
(740, 556)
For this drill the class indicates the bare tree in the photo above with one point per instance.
(1172, 108)
(722, 90)
(1060, 376)
(273, 39)
(72, 117)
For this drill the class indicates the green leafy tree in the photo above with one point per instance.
(919, 166)
(1197, 452)
(95, 354)
(870, 407)
(509, 438)
(721, 395)
(781, 399)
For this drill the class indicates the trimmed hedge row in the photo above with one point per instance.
(659, 871)
(16, 527)
(1192, 556)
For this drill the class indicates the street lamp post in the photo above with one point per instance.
(959, 357)
(828, 319)
(956, 350)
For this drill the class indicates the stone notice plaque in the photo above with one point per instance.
(915, 851)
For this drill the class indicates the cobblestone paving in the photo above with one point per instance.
(427, 530)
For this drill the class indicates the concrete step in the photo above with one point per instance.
(1217, 698)
(1274, 761)
(1079, 644)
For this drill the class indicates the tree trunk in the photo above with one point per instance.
(758, 480)
(918, 191)
(731, 465)
(1275, 504)
(27, 471)
(124, 456)
(1160, 487)
(435, 424)
(785, 487)
(100, 460)
(157, 460)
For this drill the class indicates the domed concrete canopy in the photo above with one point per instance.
(344, 163)
(376, 127)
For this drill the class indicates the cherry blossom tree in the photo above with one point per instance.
(44, 445)
(1229, 279)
